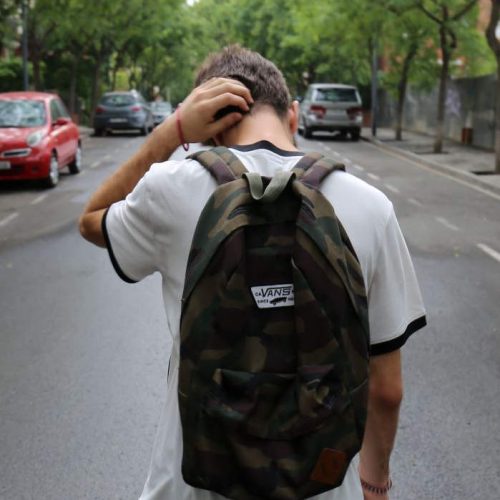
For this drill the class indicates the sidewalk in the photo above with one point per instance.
(458, 160)
(85, 131)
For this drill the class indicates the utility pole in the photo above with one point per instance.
(374, 86)
(24, 7)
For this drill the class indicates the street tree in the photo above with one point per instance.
(447, 15)
(410, 56)
(494, 43)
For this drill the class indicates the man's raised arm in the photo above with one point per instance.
(196, 122)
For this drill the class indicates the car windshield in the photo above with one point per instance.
(22, 113)
(336, 95)
(118, 100)
(164, 107)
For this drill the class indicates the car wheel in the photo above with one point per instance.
(355, 134)
(53, 178)
(98, 132)
(75, 167)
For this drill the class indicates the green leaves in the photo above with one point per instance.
(149, 43)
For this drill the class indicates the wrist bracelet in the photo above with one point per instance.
(377, 490)
(184, 144)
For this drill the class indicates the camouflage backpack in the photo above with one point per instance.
(273, 373)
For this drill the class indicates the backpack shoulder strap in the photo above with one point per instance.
(313, 168)
(221, 163)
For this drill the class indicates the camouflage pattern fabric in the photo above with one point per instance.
(273, 376)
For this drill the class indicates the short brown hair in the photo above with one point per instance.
(264, 80)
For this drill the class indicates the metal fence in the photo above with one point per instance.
(470, 104)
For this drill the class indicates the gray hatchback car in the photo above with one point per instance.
(123, 111)
(331, 107)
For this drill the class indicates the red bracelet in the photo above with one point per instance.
(378, 490)
(184, 144)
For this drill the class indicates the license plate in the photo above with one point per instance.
(4, 165)
(118, 120)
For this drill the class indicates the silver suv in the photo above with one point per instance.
(331, 107)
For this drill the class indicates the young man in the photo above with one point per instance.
(146, 213)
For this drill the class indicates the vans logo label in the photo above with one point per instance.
(269, 296)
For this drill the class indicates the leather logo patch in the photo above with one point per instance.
(330, 467)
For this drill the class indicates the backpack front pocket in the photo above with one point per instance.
(276, 405)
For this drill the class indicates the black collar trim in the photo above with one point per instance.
(266, 145)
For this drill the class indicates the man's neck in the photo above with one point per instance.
(261, 125)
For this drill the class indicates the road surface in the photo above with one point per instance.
(83, 356)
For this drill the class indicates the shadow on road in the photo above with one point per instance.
(332, 137)
(35, 186)
(118, 133)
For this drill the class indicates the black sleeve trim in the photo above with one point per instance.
(394, 344)
(116, 266)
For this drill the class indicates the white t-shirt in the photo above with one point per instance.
(151, 230)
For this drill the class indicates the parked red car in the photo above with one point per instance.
(37, 137)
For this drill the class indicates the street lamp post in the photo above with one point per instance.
(24, 7)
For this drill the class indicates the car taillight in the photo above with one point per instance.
(354, 112)
(99, 110)
(319, 111)
(135, 108)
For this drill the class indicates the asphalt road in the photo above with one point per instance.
(83, 357)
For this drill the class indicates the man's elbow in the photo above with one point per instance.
(89, 225)
(388, 394)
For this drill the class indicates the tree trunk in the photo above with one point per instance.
(402, 87)
(37, 73)
(72, 85)
(95, 85)
(443, 81)
(113, 76)
(494, 44)
(497, 122)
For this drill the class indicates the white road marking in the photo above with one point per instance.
(357, 167)
(489, 251)
(38, 199)
(390, 187)
(447, 224)
(415, 202)
(106, 158)
(336, 153)
(82, 173)
(95, 164)
(346, 160)
(373, 176)
(8, 219)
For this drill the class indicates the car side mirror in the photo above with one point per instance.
(62, 120)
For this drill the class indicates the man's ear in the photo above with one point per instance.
(293, 117)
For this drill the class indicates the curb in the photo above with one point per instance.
(444, 169)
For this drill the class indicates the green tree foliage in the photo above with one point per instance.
(9, 21)
(11, 74)
(82, 48)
